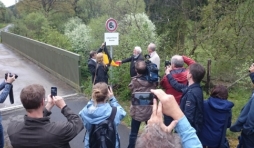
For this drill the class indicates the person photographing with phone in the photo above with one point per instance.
(162, 135)
(6, 86)
(36, 130)
(141, 108)
(102, 113)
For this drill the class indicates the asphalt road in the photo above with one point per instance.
(30, 73)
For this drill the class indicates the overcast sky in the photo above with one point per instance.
(8, 3)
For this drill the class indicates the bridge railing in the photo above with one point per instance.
(61, 63)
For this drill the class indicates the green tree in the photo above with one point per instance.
(53, 37)
(2, 12)
(35, 23)
(79, 35)
(90, 9)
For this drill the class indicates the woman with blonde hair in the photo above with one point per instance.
(99, 109)
(101, 71)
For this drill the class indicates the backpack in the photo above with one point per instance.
(152, 72)
(103, 135)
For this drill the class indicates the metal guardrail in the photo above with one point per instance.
(59, 62)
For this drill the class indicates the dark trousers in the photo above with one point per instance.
(246, 141)
(134, 133)
(1, 136)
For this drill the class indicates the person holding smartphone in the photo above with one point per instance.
(99, 109)
(162, 135)
(139, 112)
(36, 130)
(6, 86)
(245, 120)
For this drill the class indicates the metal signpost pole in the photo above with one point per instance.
(111, 38)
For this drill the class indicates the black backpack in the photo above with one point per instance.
(103, 135)
(152, 72)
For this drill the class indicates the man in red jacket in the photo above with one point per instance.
(180, 74)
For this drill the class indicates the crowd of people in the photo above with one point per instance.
(179, 116)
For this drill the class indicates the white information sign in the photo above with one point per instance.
(111, 38)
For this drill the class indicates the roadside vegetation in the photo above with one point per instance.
(219, 30)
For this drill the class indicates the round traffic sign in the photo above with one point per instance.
(111, 25)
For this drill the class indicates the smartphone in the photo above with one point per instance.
(143, 98)
(53, 91)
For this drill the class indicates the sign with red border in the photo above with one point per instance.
(111, 25)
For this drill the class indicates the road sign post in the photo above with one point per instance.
(111, 38)
(111, 25)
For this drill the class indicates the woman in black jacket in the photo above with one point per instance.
(101, 73)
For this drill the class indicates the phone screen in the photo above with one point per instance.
(143, 98)
(53, 91)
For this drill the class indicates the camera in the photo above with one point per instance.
(167, 63)
(143, 98)
(10, 74)
(11, 91)
(53, 91)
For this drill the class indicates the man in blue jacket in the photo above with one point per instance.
(6, 85)
(245, 121)
(192, 99)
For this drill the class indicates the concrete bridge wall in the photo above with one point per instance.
(61, 63)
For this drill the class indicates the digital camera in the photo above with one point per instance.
(143, 98)
(10, 74)
(167, 63)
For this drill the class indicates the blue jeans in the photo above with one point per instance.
(1, 136)
(134, 133)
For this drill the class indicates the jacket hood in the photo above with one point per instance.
(95, 115)
(219, 104)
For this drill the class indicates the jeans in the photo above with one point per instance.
(1, 136)
(134, 133)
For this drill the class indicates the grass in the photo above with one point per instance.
(2, 25)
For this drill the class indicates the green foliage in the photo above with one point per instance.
(5, 14)
(19, 28)
(36, 22)
(55, 38)
(2, 25)
(91, 9)
(97, 26)
(78, 34)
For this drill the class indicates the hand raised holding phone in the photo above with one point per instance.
(143, 98)
(110, 92)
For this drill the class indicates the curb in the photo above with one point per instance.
(12, 108)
